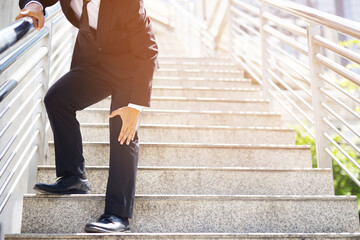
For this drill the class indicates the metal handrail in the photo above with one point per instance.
(331, 21)
(29, 62)
(277, 62)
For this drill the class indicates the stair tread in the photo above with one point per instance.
(195, 127)
(209, 168)
(217, 145)
(153, 197)
(208, 235)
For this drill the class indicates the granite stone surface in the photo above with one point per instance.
(203, 155)
(220, 181)
(204, 118)
(201, 82)
(198, 104)
(196, 134)
(189, 236)
(199, 72)
(192, 213)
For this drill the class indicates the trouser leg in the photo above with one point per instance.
(76, 90)
(120, 190)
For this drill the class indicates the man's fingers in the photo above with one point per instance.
(35, 23)
(114, 113)
(125, 136)
(131, 137)
(41, 22)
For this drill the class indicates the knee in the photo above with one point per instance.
(50, 100)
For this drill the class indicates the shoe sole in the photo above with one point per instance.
(100, 230)
(61, 193)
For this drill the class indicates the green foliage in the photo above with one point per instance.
(350, 43)
(344, 83)
(343, 184)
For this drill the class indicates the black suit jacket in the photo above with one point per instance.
(125, 44)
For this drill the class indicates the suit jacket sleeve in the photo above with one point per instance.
(143, 46)
(44, 3)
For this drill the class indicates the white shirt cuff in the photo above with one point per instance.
(138, 107)
(42, 8)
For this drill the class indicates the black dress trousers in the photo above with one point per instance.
(81, 87)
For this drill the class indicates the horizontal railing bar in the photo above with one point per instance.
(288, 40)
(253, 66)
(343, 71)
(294, 81)
(11, 57)
(287, 97)
(291, 113)
(288, 26)
(27, 132)
(343, 167)
(288, 87)
(14, 32)
(20, 110)
(15, 98)
(340, 119)
(245, 16)
(355, 114)
(54, 76)
(342, 51)
(240, 23)
(348, 141)
(306, 78)
(349, 27)
(340, 89)
(353, 161)
(248, 70)
(6, 164)
(6, 88)
(24, 166)
(30, 64)
(22, 125)
(246, 6)
(60, 48)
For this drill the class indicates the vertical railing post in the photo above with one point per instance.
(264, 52)
(323, 159)
(230, 30)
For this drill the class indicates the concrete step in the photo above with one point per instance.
(206, 92)
(200, 104)
(203, 82)
(199, 73)
(196, 134)
(198, 65)
(197, 236)
(150, 116)
(210, 180)
(197, 213)
(203, 155)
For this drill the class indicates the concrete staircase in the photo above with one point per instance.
(214, 164)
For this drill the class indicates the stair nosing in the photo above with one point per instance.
(207, 145)
(263, 169)
(211, 235)
(208, 127)
(154, 111)
(207, 197)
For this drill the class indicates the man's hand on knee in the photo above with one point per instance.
(33, 10)
(130, 118)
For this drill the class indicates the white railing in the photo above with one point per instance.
(289, 49)
(29, 62)
(286, 48)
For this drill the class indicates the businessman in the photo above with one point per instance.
(115, 54)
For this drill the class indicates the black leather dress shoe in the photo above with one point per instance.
(108, 223)
(65, 185)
